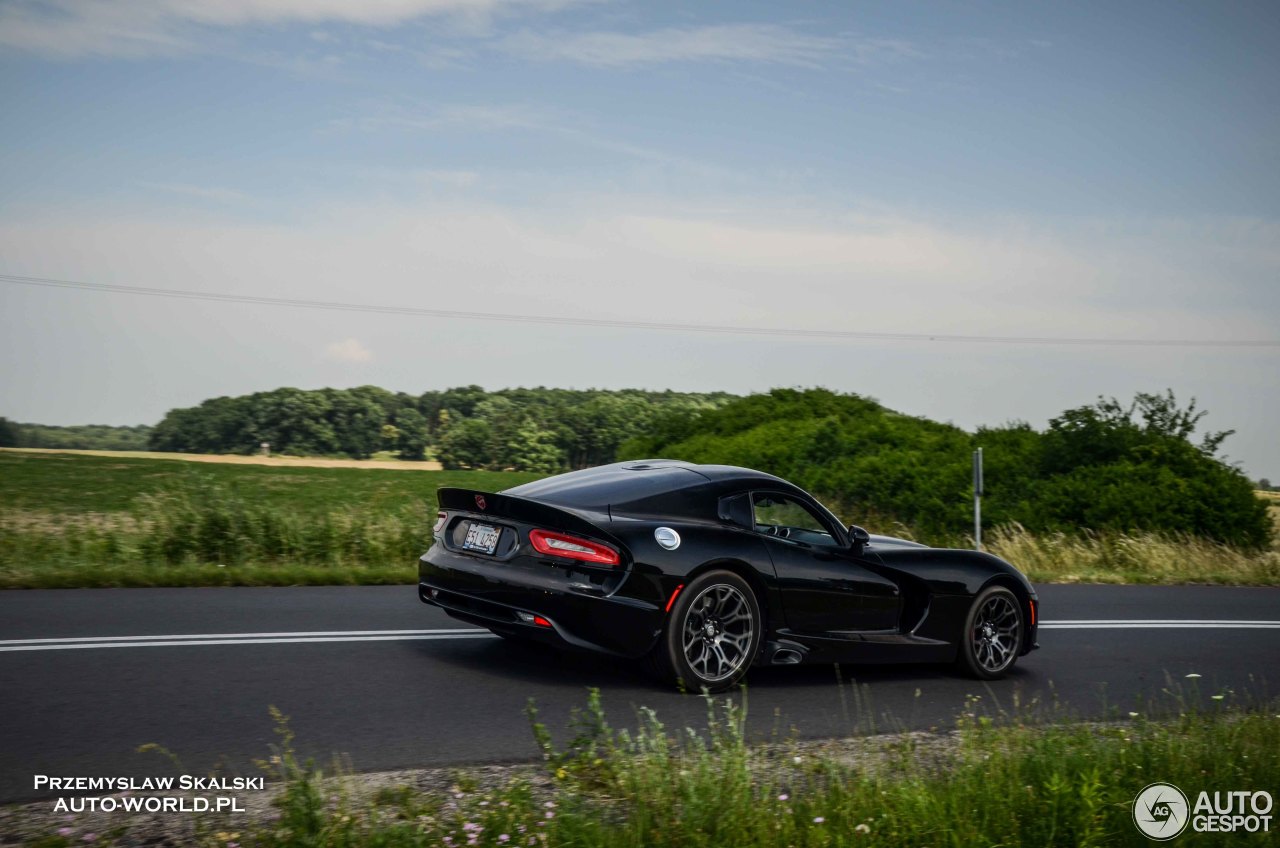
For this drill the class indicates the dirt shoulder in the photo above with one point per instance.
(229, 459)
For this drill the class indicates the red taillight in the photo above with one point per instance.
(441, 518)
(1033, 613)
(572, 547)
(540, 621)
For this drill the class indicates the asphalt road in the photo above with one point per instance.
(390, 699)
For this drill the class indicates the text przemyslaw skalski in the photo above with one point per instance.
(183, 783)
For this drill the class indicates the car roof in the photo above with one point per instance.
(622, 482)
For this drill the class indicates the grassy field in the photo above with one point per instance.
(78, 520)
(1089, 557)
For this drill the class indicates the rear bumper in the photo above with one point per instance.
(495, 594)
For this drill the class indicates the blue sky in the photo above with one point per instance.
(1084, 169)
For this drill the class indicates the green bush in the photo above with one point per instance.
(1102, 467)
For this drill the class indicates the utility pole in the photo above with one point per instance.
(977, 499)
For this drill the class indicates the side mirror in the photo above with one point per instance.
(858, 538)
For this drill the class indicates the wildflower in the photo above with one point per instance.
(484, 803)
(503, 804)
(550, 805)
(471, 827)
(550, 814)
(503, 837)
(1132, 714)
(65, 831)
(818, 820)
(784, 796)
(797, 760)
(1192, 676)
(862, 828)
(89, 837)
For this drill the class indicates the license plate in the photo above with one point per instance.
(481, 537)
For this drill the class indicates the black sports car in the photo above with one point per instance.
(703, 570)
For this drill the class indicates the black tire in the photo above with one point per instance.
(712, 635)
(992, 635)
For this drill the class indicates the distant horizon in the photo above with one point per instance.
(1225, 455)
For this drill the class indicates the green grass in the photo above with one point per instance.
(87, 521)
(993, 782)
(67, 483)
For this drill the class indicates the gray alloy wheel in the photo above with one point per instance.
(717, 632)
(992, 635)
(713, 634)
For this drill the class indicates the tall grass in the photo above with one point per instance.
(210, 535)
(1090, 557)
(988, 783)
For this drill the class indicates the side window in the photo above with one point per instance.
(785, 517)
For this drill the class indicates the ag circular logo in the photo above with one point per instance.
(1160, 811)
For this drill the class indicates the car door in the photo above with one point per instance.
(825, 588)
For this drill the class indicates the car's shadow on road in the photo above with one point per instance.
(542, 665)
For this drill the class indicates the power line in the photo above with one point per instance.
(568, 320)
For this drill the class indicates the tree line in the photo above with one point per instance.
(538, 429)
(78, 437)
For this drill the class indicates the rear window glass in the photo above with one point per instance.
(595, 489)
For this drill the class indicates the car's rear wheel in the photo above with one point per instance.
(993, 633)
(712, 634)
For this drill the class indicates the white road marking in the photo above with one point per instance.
(158, 641)
(300, 637)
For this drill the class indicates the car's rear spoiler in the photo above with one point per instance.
(525, 511)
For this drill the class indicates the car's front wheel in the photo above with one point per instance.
(992, 635)
(712, 635)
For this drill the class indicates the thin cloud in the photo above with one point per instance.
(456, 179)
(478, 117)
(503, 117)
(348, 350)
(760, 43)
(68, 29)
(222, 195)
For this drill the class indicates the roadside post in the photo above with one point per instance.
(977, 499)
